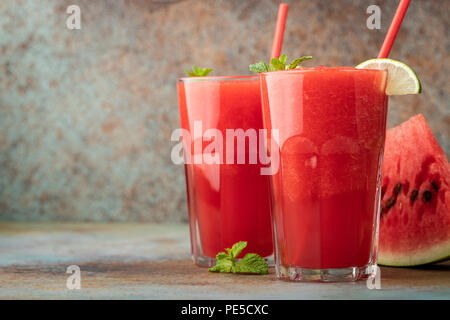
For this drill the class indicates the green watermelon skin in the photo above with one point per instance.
(415, 203)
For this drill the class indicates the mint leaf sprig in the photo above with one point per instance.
(278, 64)
(251, 263)
(198, 72)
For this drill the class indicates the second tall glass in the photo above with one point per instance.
(227, 202)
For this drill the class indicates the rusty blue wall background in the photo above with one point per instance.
(86, 115)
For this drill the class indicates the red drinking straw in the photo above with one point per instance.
(279, 31)
(393, 29)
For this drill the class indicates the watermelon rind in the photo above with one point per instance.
(438, 253)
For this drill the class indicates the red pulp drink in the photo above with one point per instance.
(326, 193)
(227, 202)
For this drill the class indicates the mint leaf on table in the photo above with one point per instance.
(224, 263)
(251, 263)
(278, 64)
(236, 249)
(198, 72)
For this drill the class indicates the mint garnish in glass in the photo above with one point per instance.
(278, 64)
(198, 72)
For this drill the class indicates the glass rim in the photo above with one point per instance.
(315, 69)
(217, 78)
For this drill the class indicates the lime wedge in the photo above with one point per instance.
(401, 79)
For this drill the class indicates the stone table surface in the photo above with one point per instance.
(150, 261)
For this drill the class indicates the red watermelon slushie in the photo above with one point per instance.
(332, 124)
(227, 202)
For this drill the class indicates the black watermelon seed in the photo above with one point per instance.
(427, 196)
(414, 195)
(381, 210)
(435, 186)
(390, 202)
(397, 189)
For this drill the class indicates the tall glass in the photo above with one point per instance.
(326, 193)
(227, 201)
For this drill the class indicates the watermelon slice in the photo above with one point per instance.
(415, 212)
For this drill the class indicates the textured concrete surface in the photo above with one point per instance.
(149, 261)
(86, 115)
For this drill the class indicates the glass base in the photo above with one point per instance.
(326, 275)
(208, 262)
(203, 261)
